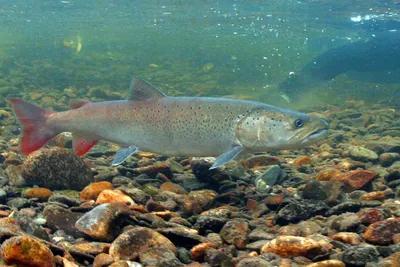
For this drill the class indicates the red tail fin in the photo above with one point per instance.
(35, 132)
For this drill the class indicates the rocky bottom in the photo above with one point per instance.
(332, 204)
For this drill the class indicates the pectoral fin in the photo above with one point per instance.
(122, 154)
(226, 157)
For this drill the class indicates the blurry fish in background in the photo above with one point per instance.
(377, 58)
(73, 44)
(78, 43)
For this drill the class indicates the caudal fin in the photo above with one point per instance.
(33, 119)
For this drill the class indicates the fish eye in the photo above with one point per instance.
(298, 123)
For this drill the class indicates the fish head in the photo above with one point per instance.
(266, 129)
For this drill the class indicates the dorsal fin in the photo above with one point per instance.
(78, 103)
(141, 90)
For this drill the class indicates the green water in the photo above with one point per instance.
(208, 48)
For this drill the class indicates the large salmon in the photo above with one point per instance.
(176, 126)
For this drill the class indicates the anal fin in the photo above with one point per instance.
(122, 154)
(226, 157)
(82, 145)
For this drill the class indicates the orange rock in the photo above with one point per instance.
(381, 233)
(235, 233)
(377, 195)
(146, 154)
(102, 260)
(93, 190)
(355, 179)
(274, 200)
(292, 246)
(42, 194)
(348, 237)
(198, 251)
(4, 213)
(328, 263)
(93, 248)
(301, 161)
(396, 238)
(327, 175)
(160, 167)
(26, 251)
(114, 196)
(251, 204)
(168, 186)
(391, 261)
(260, 160)
(191, 206)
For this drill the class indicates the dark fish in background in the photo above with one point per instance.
(377, 56)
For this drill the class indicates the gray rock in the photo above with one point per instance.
(347, 222)
(102, 223)
(217, 258)
(359, 256)
(56, 168)
(184, 255)
(386, 159)
(298, 210)
(209, 223)
(59, 218)
(272, 176)
(254, 262)
(18, 203)
(14, 174)
(362, 154)
(3, 196)
(69, 201)
(136, 194)
(159, 257)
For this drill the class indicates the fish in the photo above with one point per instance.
(151, 121)
(376, 59)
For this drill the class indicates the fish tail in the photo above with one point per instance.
(36, 132)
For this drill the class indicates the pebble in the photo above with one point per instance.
(114, 196)
(302, 161)
(348, 237)
(293, 246)
(361, 153)
(216, 257)
(381, 233)
(386, 159)
(102, 260)
(298, 210)
(273, 175)
(359, 256)
(235, 233)
(42, 194)
(328, 263)
(101, 223)
(132, 243)
(93, 248)
(56, 168)
(158, 256)
(14, 174)
(204, 197)
(59, 218)
(254, 262)
(198, 252)
(26, 251)
(260, 160)
(93, 190)
(168, 186)
(356, 179)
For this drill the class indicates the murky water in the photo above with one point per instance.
(211, 48)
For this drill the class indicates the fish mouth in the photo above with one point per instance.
(317, 135)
